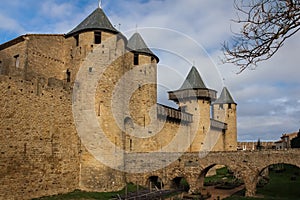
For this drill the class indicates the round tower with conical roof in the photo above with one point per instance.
(224, 110)
(195, 98)
(96, 47)
(143, 72)
(95, 30)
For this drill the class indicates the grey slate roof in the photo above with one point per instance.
(193, 80)
(95, 21)
(137, 44)
(225, 97)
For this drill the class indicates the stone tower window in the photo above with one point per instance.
(17, 61)
(76, 37)
(221, 106)
(229, 106)
(130, 144)
(97, 37)
(68, 73)
(136, 59)
(99, 109)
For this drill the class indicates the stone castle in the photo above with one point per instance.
(44, 150)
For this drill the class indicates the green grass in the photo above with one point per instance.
(77, 194)
(221, 174)
(280, 186)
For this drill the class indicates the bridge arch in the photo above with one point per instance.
(207, 168)
(263, 177)
(155, 181)
(180, 183)
(266, 165)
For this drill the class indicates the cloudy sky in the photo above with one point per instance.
(182, 34)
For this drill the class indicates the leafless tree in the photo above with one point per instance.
(266, 24)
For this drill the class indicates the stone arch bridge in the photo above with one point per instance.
(246, 165)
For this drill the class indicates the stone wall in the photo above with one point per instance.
(200, 128)
(227, 113)
(95, 176)
(46, 56)
(35, 55)
(9, 56)
(39, 144)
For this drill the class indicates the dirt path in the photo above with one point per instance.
(222, 193)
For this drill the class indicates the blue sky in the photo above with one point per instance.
(268, 97)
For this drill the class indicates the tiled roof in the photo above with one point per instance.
(137, 44)
(225, 97)
(95, 21)
(193, 80)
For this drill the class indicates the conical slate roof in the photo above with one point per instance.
(137, 44)
(225, 97)
(95, 21)
(193, 80)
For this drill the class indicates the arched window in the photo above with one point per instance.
(128, 123)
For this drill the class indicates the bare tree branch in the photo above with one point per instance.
(266, 24)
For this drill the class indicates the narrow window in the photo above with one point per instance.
(68, 75)
(17, 61)
(97, 36)
(229, 106)
(221, 106)
(136, 59)
(99, 109)
(77, 40)
(130, 144)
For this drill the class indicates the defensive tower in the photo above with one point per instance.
(224, 110)
(195, 98)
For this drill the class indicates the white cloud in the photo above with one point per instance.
(9, 24)
(51, 9)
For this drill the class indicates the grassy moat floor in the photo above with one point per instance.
(282, 185)
(81, 195)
